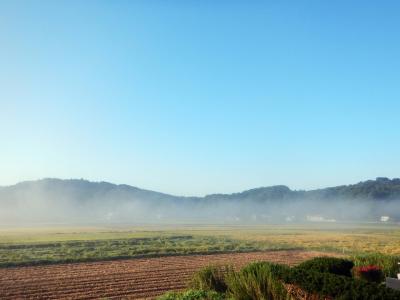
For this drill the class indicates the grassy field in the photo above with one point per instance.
(61, 244)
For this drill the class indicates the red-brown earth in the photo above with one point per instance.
(125, 279)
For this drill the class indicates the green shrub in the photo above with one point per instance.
(339, 287)
(192, 295)
(325, 284)
(210, 278)
(369, 273)
(257, 281)
(363, 290)
(388, 263)
(333, 265)
(265, 281)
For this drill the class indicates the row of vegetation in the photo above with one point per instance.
(157, 244)
(330, 278)
(348, 239)
(95, 250)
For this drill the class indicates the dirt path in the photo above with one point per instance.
(124, 279)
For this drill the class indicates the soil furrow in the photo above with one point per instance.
(124, 279)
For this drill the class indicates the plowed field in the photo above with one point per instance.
(124, 279)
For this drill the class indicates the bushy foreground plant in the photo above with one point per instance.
(257, 281)
(369, 273)
(338, 286)
(210, 278)
(363, 290)
(333, 265)
(193, 295)
(266, 281)
(388, 263)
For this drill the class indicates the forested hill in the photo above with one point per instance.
(380, 189)
(51, 200)
(82, 190)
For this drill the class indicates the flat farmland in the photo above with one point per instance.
(140, 262)
(144, 278)
(38, 246)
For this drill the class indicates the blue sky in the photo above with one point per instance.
(198, 97)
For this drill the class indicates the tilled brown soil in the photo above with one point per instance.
(124, 279)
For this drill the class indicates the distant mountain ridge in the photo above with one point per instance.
(381, 188)
(378, 189)
(74, 200)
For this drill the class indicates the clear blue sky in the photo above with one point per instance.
(197, 97)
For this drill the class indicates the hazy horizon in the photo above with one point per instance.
(80, 201)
